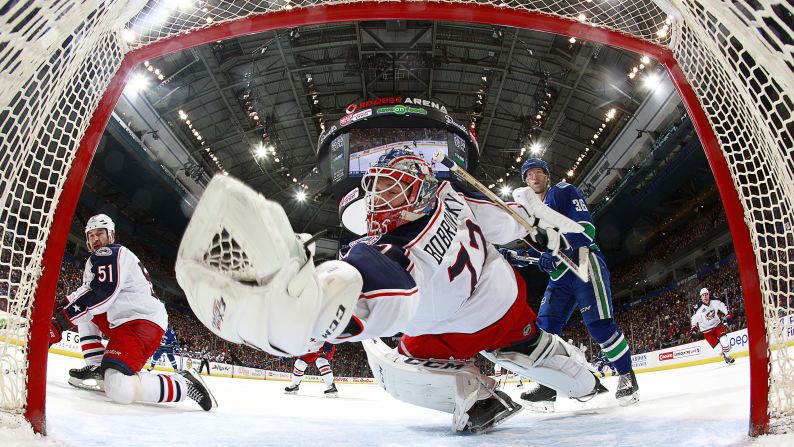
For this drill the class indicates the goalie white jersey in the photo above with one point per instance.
(439, 274)
(117, 284)
(706, 317)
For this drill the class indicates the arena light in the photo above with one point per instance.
(536, 149)
(260, 151)
(505, 190)
(651, 81)
(138, 83)
(128, 35)
(300, 196)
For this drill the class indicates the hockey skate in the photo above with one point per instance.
(331, 391)
(87, 378)
(541, 399)
(198, 391)
(627, 393)
(490, 412)
(292, 389)
(728, 359)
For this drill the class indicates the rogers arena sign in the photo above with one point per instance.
(397, 100)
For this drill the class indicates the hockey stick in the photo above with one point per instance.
(581, 270)
(527, 259)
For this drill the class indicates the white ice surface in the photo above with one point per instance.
(706, 405)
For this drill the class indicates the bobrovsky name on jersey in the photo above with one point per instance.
(395, 100)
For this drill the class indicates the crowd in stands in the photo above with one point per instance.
(635, 269)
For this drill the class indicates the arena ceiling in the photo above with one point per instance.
(523, 89)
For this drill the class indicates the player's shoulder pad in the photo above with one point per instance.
(105, 255)
(569, 190)
(367, 240)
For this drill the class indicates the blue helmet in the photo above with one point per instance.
(533, 163)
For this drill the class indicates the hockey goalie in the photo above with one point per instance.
(427, 268)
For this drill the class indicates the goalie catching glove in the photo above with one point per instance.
(249, 279)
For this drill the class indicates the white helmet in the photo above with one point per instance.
(97, 222)
(704, 291)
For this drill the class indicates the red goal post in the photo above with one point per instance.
(63, 65)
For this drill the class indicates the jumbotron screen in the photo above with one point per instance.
(369, 144)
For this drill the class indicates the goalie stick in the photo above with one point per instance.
(581, 270)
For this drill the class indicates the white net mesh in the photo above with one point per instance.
(226, 255)
(58, 57)
(751, 113)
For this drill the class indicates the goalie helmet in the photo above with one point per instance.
(100, 221)
(398, 189)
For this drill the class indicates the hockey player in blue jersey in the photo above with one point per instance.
(168, 345)
(601, 363)
(566, 292)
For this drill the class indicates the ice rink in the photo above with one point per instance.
(699, 406)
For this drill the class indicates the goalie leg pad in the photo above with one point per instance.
(452, 386)
(552, 362)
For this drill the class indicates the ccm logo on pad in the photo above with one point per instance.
(340, 313)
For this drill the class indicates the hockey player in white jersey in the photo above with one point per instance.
(427, 269)
(117, 299)
(708, 321)
(321, 354)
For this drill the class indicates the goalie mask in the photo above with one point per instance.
(100, 221)
(398, 189)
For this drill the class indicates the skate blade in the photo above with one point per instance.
(629, 400)
(290, 392)
(77, 383)
(332, 395)
(540, 407)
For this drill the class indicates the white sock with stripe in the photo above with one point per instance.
(163, 387)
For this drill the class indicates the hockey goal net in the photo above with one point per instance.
(63, 64)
